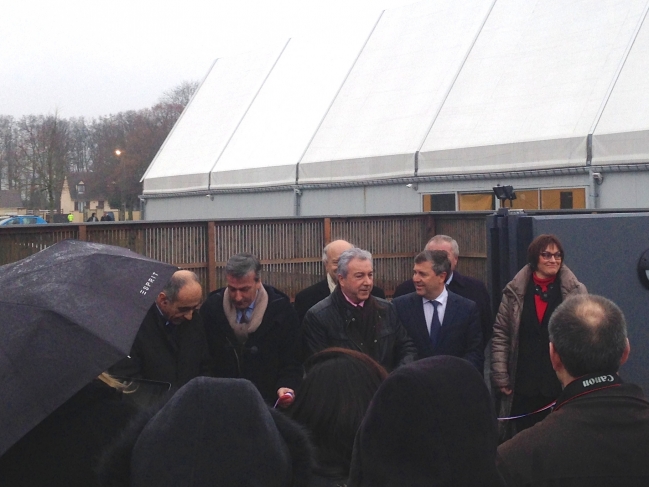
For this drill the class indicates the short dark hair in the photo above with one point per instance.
(240, 265)
(334, 396)
(538, 245)
(438, 258)
(177, 282)
(589, 334)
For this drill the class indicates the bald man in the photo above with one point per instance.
(170, 345)
(312, 295)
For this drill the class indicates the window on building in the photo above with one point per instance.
(100, 205)
(527, 199)
(563, 199)
(81, 187)
(439, 202)
(476, 201)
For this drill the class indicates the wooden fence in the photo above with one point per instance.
(290, 249)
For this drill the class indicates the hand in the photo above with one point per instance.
(505, 390)
(286, 397)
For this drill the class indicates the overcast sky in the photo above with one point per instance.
(96, 57)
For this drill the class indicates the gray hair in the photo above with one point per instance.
(455, 248)
(589, 334)
(348, 255)
(240, 265)
(178, 281)
(438, 258)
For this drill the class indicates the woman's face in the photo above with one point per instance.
(549, 263)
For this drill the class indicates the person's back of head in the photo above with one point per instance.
(431, 423)
(219, 432)
(589, 334)
(334, 396)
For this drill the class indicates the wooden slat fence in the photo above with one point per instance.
(290, 249)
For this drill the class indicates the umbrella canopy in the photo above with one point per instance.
(66, 315)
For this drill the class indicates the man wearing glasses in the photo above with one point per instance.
(170, 345)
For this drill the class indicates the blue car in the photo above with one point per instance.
(23, 220)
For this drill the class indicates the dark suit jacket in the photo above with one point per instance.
(309, 297)
(460, 335)
(467, 287)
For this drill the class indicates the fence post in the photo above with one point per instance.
(83, 235)
(430, 228)
(327, 231)
(211, 256)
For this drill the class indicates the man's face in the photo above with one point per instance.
(359, 281)
(243, 290)
(333, 254)
(446, 247)
(182, 309)
(428, 284)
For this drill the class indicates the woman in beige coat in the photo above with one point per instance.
(521, 372)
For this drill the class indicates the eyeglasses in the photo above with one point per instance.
(549, 255)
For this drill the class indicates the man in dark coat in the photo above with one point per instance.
(170, 345)
(312, 295)
(352, 318)
(465, 286)
(598, 432)
(252, 331)
(439, 321)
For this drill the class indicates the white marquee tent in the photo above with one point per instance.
(443, 96)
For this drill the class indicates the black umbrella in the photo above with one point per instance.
(66, 315)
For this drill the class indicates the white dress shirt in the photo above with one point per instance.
(429, 308)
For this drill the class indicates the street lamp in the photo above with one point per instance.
(122, 216)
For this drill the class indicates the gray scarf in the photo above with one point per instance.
(242, 330)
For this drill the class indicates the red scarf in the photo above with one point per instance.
(541, 306)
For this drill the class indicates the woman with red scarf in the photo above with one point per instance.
(521, 371)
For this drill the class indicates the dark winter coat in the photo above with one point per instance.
(155, 355)
(327, 324)
(597, 435)
(271, 357)
(312, 295)
(504, 350)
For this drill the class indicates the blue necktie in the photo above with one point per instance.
(435, 325)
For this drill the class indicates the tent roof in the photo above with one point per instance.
(622, 133)
(533, 86)
(439, 87)
(272, 137)
(202, 133)
(387, 104)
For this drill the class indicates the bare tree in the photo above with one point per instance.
(8, 157)
(42, 149)
(37, 151)
(179, 95)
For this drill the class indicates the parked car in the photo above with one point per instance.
(23, 220)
